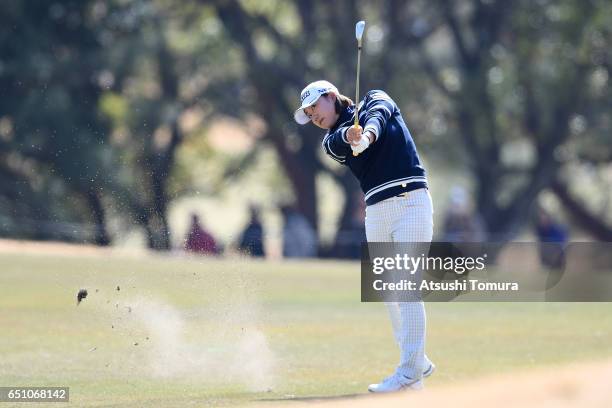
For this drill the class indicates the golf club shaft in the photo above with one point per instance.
(357, 86)
(359, 27)
(357, 90)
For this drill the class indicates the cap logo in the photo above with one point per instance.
(305, 95)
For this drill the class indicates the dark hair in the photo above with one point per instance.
(342, 102)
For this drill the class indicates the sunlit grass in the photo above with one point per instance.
(317, 339)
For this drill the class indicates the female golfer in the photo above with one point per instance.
(380, 152)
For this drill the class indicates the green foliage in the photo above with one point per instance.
(95, 96)
(57, 140)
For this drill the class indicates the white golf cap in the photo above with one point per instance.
(309, 96)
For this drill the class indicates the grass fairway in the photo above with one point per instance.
(165, 332)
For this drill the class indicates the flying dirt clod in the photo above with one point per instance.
(81, 295)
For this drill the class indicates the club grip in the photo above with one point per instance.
(356, 125)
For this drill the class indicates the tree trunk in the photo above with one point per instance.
(101, 236)
(590, 222)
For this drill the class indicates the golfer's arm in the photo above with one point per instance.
(378, 107)
(336, 145)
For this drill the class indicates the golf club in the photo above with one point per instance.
(359, 27)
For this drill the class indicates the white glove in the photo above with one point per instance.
(363, 144)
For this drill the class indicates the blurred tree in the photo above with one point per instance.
(144, 104)
(276, 66)
(284, 47)
(512, 79)
(519, 77)
(93, 96)
(96, 97)
(160, 67)
(52, 141)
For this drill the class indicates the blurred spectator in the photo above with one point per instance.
(461, 224)
(552, 236)
(199, 240)
(251, 241)
(299, 238)
(548, 229)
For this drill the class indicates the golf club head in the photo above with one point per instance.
(359, 27)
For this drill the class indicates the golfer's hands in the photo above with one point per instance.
(363, 144)
(353, 134)
(358, 141)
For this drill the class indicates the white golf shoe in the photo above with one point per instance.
(430, 370)
(396, 382)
